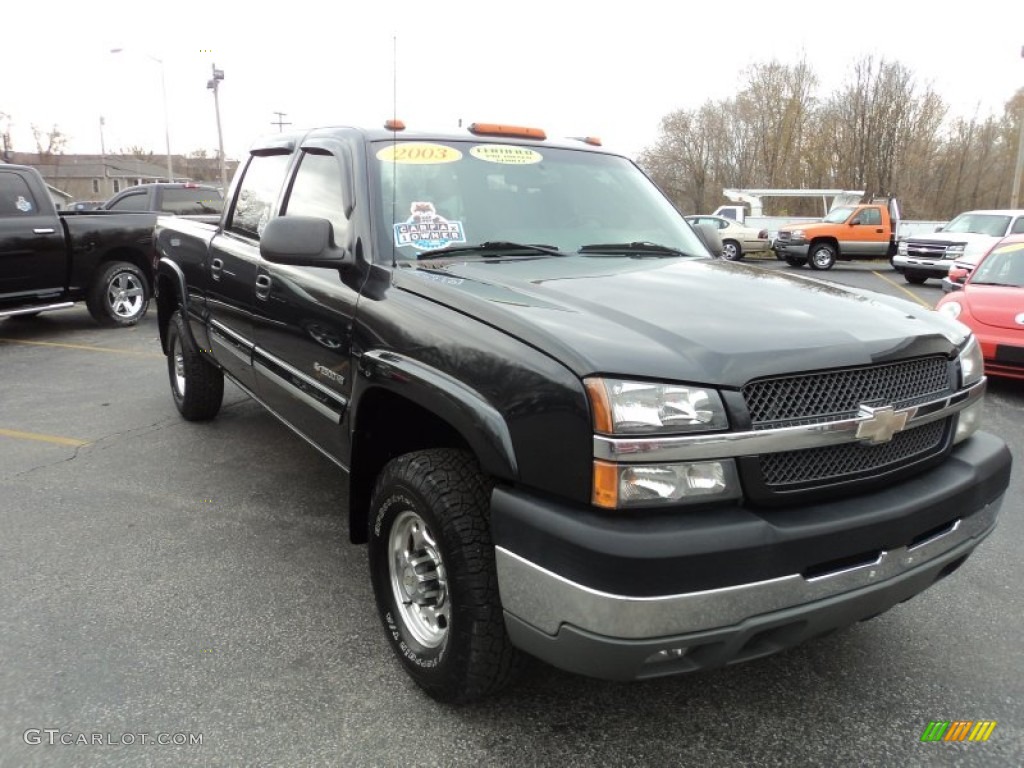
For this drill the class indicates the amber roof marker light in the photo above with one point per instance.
(518, 131)
(394, 125)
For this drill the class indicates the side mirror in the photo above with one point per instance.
(939, 228)
(302, 241)
(711, 238)
(958, 275)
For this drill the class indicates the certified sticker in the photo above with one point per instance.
(506, 154)
(425, 230)
(418, 153)
(22, 204)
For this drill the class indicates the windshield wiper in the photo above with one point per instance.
(633, 248)
(490, 248)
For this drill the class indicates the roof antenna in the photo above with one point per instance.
(394, 144)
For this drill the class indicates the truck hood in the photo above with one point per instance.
(697, 320)
(810, 226)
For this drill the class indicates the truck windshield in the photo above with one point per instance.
(979, 224)
(838, 215)
(436, 195)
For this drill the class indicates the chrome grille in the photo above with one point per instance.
(833, 462)
(929, 249)
(831, 395)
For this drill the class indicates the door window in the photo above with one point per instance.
(317, 191)
(136, 202)
(257, 194)
(15, 197)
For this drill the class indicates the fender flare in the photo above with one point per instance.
(165, 305)
(478, 422)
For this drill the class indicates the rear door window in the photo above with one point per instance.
(16, 198)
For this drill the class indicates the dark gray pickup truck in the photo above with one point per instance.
(565, 429)
(48, 260)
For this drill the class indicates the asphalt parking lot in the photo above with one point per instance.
(181, 580)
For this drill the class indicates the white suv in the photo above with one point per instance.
(965, 239)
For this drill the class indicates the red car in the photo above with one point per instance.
(991, 303)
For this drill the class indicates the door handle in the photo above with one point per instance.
(879, 231)
(215, 267)
(263, 283)
(44, 230)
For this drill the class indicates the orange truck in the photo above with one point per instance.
(866, 231)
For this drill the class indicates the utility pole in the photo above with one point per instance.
(212, 84)
(1015, 196)
(103, 154)
(280, 122)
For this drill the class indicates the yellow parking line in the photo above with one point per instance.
(911, 294)
(43, 438)
(85, 347)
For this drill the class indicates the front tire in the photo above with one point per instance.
(197, 385)
(914, 278)
(434, 578)
(119, 295)
(731, 250)
(822, 256)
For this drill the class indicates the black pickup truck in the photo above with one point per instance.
(179, 198)
(48, 260)
(566, 430)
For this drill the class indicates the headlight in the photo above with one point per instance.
(797, 234)
(954, 251)
(643, 485)
(972, 365)
(642, 408)
(901, 249)
(951, 309)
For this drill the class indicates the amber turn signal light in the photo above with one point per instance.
(519, 131)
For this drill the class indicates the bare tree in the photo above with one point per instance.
(49, 143)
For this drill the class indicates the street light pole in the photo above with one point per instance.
(212, 84)
(167, 119)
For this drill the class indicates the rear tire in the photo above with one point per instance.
(433, 572)
(119, 295)
(197, 385)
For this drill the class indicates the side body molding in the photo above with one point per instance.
(465, 409)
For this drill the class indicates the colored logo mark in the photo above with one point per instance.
(958, 730)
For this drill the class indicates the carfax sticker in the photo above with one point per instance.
(418, 153)
(23, 205)
(506, 154)
(425, 230)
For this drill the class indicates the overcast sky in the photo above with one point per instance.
(606, 69)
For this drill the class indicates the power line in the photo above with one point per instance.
(280, 122)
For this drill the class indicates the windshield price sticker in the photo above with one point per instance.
(418, 153)
(506, 154)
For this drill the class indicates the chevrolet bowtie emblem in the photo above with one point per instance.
(880, 424)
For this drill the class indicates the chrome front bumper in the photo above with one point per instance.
(621, 637)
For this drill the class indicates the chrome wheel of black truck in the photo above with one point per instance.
(433, 573)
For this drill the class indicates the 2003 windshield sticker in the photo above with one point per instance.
(426, 230)
(418, 153)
